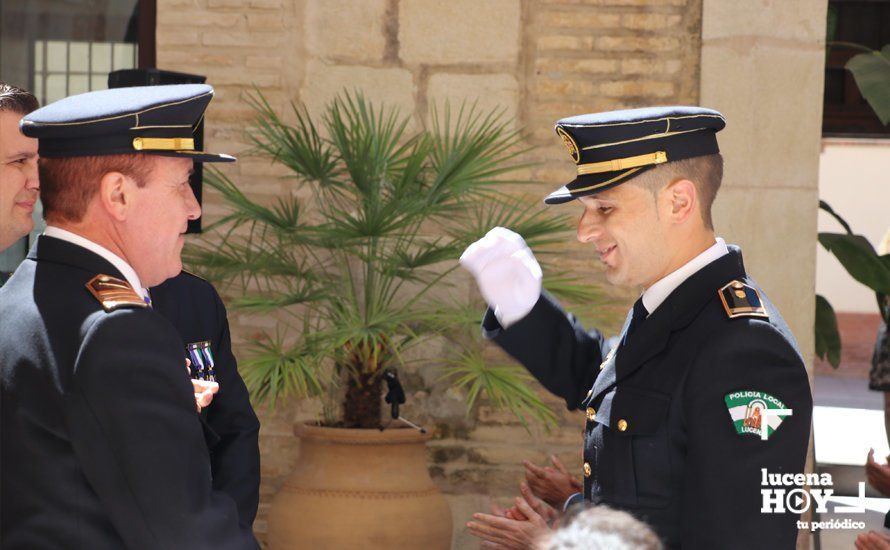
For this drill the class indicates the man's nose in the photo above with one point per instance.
(193, 207)
(589, 228)
(32, 180)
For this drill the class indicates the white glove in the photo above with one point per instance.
(507, 273)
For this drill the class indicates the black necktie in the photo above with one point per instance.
(639, 315)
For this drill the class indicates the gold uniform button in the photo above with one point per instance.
(586, 469)
(591, 413)
(622, 425)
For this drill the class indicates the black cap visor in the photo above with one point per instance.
(591, 184)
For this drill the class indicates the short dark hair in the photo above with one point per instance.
(17, 100)
(706, 172)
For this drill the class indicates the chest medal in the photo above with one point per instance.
(203, 366)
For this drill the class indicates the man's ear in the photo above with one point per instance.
(680, 200)
(116, 195)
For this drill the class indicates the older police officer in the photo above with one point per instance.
(705, 385)
(231, 427)
(101, 443)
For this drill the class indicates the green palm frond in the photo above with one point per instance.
(357, 266)
(272, 371)
(470, 153)
(505, 386)
(571, 288)
(298, 146)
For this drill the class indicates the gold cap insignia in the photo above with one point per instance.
(114, 293)
(741, 300)
(570, 144)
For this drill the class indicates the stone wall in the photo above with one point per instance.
(539, 60)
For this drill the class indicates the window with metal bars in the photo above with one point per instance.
(862, 22)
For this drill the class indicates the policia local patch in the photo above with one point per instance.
(756, 413)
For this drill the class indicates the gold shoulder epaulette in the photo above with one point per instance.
(114, 293)
(741, 300)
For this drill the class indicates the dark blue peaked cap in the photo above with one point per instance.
(611, 148)
(156, 120)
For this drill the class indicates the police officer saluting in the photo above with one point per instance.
(705, 385)
(102, 446)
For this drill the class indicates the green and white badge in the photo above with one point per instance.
(756, 413)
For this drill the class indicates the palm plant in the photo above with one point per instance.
(356, 263)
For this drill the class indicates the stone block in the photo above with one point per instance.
(488, 91)
(165, 5)
(459, 31)
(549, 43)
(324, 22)
(225, 4)
(562, 87)
(650, 21)
(264, 61)
(578, 19)
(637, 43)
(785, 20)
(505, 433)
(555, 66)
(185, 60)
(651, 66)
(647, 88)
(264, 41)
(176, 37)
(507, 455)
(393, 87)
(265, 22)
(197, 18)
(646, 3)
(238, 76)
(266, 4)
(772, 99)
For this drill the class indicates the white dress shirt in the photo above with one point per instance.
(126, 270)
(656, 294)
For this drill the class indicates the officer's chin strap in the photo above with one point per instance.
(395, 396)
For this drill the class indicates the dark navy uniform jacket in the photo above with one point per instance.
(101, 445)
(230, 425)
(659, 440)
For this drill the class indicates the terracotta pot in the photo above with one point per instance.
(360, 489)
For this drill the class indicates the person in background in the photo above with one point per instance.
(878, 475)
(601, 528)
(19, 183)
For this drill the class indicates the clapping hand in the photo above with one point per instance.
(516, 528)
(872, 541)
(878, 475)
(552, 485)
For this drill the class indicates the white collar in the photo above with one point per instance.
(658, 292)
(126, 270)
